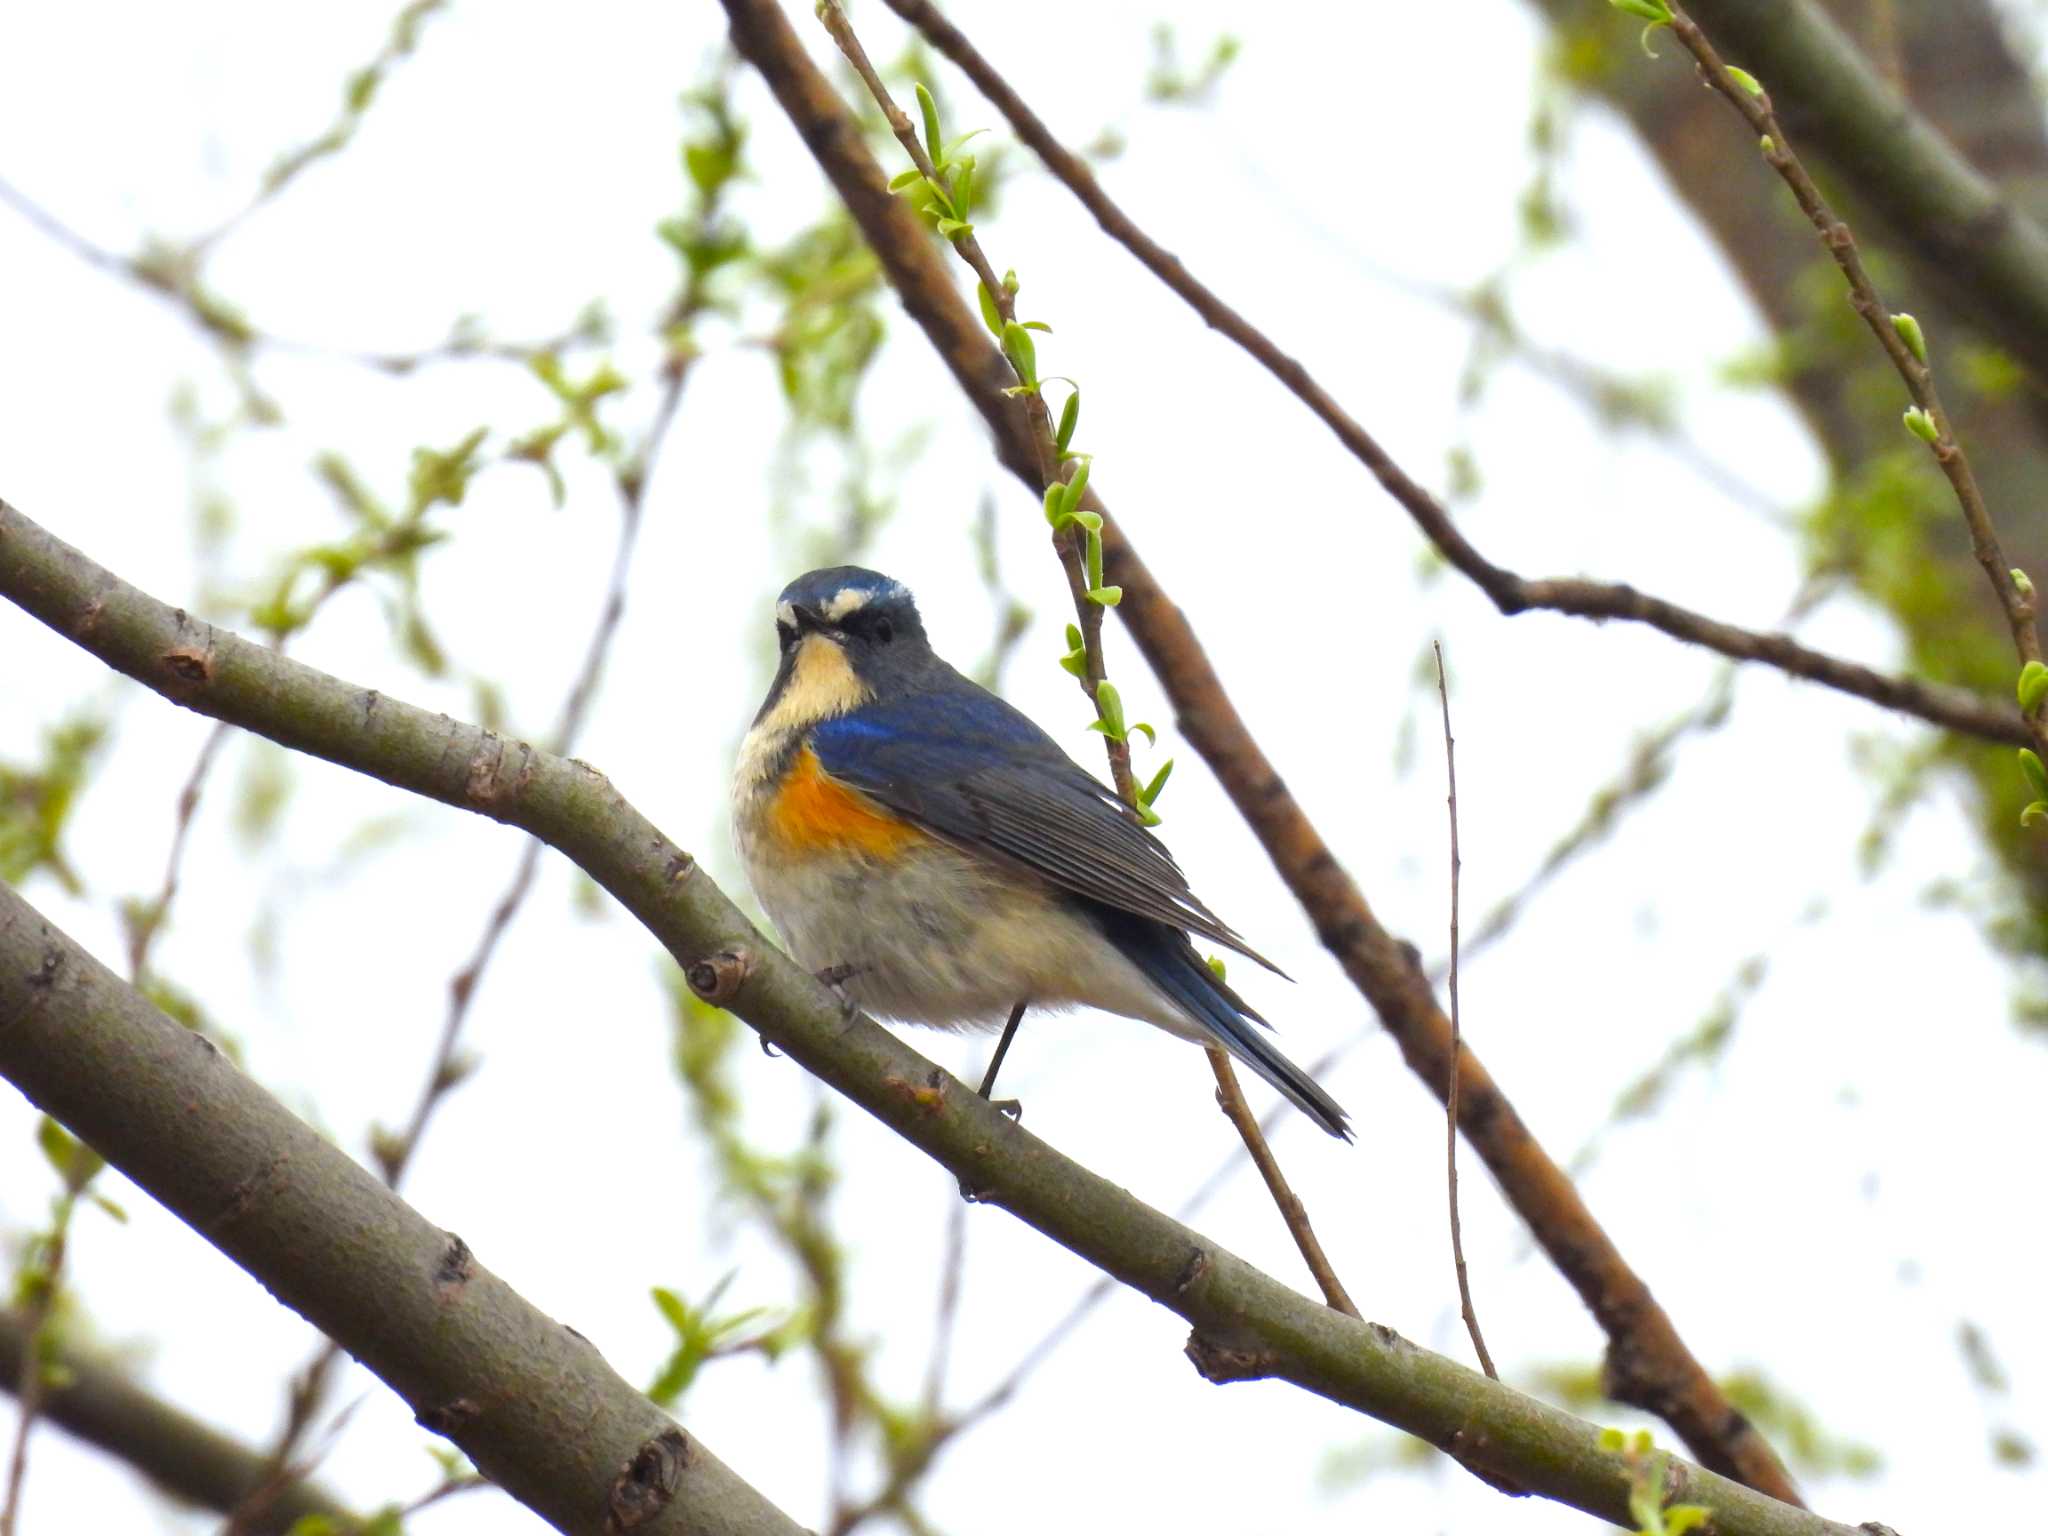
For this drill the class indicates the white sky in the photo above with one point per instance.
(1825, 1203)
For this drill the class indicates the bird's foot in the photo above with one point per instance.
(836, 977)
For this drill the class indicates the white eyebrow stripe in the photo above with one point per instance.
(846, 600)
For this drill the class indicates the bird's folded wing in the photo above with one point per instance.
(971, 769)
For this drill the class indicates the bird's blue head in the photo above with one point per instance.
(847, 635)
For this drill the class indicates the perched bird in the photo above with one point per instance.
(924, 844)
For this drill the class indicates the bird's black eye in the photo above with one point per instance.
(884, 630)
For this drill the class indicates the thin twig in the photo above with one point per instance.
(1067, 542)
(148, 921)
(31, 1382)
(1952, 708)
(2015, 597)
(1457, 1035)
(1231, 1097)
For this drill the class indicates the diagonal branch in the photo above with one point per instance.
(1952, 708)
(193, 1461)
(1904, 346)
(1649, 1364)
(1962, 229)
(409, 1299)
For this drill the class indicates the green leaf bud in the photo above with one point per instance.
(930, 109)
(2035, 775)
(2033, 686)
(1911, 334)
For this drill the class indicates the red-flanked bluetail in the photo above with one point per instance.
(926, 845)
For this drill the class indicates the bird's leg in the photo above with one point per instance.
(1009, 1107)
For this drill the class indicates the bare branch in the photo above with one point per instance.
(1443, 693)
(1231, 1096)
(99, 1404)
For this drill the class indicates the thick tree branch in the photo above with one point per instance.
(1649, 1364)
(1952, 708)
(188, 1459)
(527, 1399)
(454, 1340)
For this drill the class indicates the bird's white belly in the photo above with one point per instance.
(939, 937)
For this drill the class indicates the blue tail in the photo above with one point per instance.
(1170, 963)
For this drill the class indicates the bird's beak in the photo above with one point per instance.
(810, 622)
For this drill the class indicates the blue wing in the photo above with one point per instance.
(969, 768)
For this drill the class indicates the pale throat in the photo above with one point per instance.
(822, 684)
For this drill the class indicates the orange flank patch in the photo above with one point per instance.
(811, 813)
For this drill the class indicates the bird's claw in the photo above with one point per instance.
(836, 977)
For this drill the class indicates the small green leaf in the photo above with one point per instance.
(1745, 79)
(2036, 775)
(1078, 482)
(1216, 965)
(1610, 1439)
(1150, 792)
(673, 1308)
(1074, 641)
(930, 109)
(1094, 558)
(1109, 706)
(1075, 662)
(1070, 417)
(1680, 1518)
(1037, 325)
(903, 179)
(1056, 505)
(1921, 425)
(1767, 144)
(953, 229)
(1092, 521)
(1656, 12)
(1151, 736)
(1911, 334)
(2021, 582)
(963, 188)
(1022, 352)
(2034, 815)
(2033, 686)
(990, 315)
(1105, 597)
